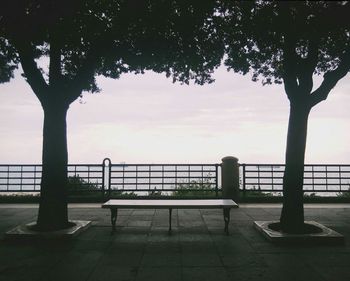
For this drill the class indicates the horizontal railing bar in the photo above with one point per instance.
(306, 172)
(166, 165)
(178, 177)
(158, 188)
(305, 190)
(25, 165)
(84, 165)
(156, 183)
(19, 190)
(152, 185)
(160, 172)
(18, 178)
(305, 179)
(39, 165)
(165, 171)
(277, 184)
(305, 165)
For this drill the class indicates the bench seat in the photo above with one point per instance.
(170, 204)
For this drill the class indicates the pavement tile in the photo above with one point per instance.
(194, 237)
(330, 273)
(203, 260)
(163, 247)
(140, 223)
(113, 272)
(205, 274)
(75, 266)
(161, 259)
(25, 273)
(131, 235)
(159, 274)
(143, 212)
(161, 234)
(246, 260)
(82, 245)
(328, 259)
(274, 274)
(122, 259)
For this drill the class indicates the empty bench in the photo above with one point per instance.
(225, 204)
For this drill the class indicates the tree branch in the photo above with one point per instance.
(331, 78)
(87, 71)
(307, 67)
(31, 70)
(290, 67)
(55, 63)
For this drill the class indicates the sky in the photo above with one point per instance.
(148, 119)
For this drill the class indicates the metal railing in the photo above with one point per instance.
(163, 179)
(119, 179)
(170, 179)
(318, 178)
(85, 177)
(20, 178)
(27, 178)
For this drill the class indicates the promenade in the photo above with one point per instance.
(198, 249)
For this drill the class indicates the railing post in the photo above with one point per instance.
(230, 178)
(243, 180)
(106, 164)
(217, 180)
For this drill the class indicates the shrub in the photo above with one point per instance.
(344, 194)
(256, 192)
(77, 185)
(195, 188)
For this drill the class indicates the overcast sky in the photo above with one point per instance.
(148, 119)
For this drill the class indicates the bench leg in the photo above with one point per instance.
(114, 213)
(170, 212)
(227, 218)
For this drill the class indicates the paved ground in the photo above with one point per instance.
(197, 250)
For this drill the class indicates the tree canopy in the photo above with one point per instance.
(83, 39)
(279, 39)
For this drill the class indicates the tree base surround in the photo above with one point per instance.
(24, 232)
(325, 235)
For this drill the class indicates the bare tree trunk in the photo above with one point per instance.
(292, 217)
(53, 214)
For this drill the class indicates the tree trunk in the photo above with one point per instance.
(53, 214)
(292, 217)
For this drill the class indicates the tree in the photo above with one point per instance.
(81, 39)
(289, 42)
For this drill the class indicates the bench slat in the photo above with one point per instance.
(176, 203)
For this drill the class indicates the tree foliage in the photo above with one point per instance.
(83, 39)
(272, 38)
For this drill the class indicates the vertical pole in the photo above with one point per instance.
(114, 214)
(230, 178)
(106, 164)
(243, 181)
(103, 180)
(170, 212)
(326, 167)
(216, 180)
(109, 179)
(227, 219)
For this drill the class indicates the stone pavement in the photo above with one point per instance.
(198, 249)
